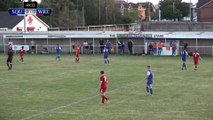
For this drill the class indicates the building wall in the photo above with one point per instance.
(32, 24)
(176, 26)
(205, 13)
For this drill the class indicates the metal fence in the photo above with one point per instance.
(203, 50)
(95, 49)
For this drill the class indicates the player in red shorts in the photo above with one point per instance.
(21, 52)
(77, 54)
(103, 86)
(196, 57)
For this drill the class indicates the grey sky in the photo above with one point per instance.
(156, 1)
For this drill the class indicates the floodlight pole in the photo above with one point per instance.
(25, 23)
(196, 43)
(149, 11)
(4, 44)
(83, 15)
(190, 11)
(93, 42)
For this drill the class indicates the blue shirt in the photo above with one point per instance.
(122, 45)
(150, 76)
(108, 44)
(58, 50)
(184, 53)
(106, 52)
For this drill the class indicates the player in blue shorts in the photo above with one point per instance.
(58, 51)
(106, 53)
(184, 54)
(149, 78)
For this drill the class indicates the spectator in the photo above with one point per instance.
(90, 47)
(119, 47)
(101, 43)
(10, 43)
(130, 45)
(160, 46)
(73, 45)
(86, 47)
(122, 47)
(154, 46)
(173, 48)
(150, 48)
(185, 46)
(32, 46)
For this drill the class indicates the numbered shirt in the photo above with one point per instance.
(103, 80)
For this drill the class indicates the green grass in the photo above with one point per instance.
(44, 89)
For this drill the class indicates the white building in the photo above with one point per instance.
(33, 23)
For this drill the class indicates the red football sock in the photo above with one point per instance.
(103, 98)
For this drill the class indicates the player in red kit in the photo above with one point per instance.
(21, 52)
(77, 54)
(196, 57)
(103, 86)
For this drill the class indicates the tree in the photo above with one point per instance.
(71, 13)
(101, 12)
(130, 17)
(5, 4)
(62, 12)
(173, 9)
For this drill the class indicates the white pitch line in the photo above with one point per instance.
(73, 103)
(168, 112)
(49, 111)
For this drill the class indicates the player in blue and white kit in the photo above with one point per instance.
(183, 54)
(106, 53)
(108, 46)
(58, 51)
(149, 78)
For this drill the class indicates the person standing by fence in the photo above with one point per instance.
(122, 47)
(119, 47)
(101, 43)
(130, 45)
(160, 46)
(86, 47)
(32, 47)
(174, 48)
(154, 46)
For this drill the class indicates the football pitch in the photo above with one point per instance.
(44, 89)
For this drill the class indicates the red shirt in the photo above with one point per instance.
(9, 48)
(160, 44)
(77, 51)
(103, 80)
(154, 45)
(22, 52)
(196, 56)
